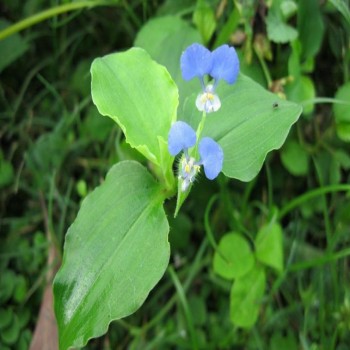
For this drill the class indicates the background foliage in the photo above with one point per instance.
(56, 148)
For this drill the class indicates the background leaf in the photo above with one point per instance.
(11, 48)
(248, 125)
(295, 158)
(234, 257)
(115, 252)
(342, 112)
(310, 27)
(164, 39)
(269, 246)
(277, 30)
(246, 294)
(204, 19)
(140, 96)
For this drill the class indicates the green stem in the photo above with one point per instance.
(52, 12)
(319, 261)
(195, 268)
(309, 195)
(201, 126)
(264, 68)
(182, 297)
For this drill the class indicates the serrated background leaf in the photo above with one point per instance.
(115, 252)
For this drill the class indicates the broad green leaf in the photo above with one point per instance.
(139, 95)
(234, 257)
(295, 158)
(115, 252)
(342, 112)
(165, 39)
(250, 123)
(269, 246)
(246, 294)
(310, 27)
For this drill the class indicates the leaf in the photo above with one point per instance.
(342, 112)
(343, 8)
(246, 295)
(248, 125)
(234, 257)
(310, 27)
(11, 48)
(269, 246)
(300, 90)
(115, 252)
(139, 95)
(277, 30)
(204, 19)
(165, 39)
(295, 159)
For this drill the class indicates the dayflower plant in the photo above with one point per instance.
(221, 64)
(181, 138)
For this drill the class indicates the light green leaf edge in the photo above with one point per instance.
(109, 209)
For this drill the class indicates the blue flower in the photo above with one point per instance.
(212, 157)
(181, 138)
(221, 64)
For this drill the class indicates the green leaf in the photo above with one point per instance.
(277, 30)
(6, 173)
(343, 8)
(139, 95)
(11, 48)
(300, 90)
(165, 39)
(269, 246)
(228, 28)
(246, 295)
(115, 252)
(295, 158)
(342, 112)
(310, 27)
(234, 257)
(250, 123)
(204, 19)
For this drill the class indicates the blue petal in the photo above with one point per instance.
(196, 61)
(225, 64)
(181, 136)
(212, 157)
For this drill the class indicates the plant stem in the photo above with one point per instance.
(52, 12)
(309, 195)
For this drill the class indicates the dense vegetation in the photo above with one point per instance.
(56, 148)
